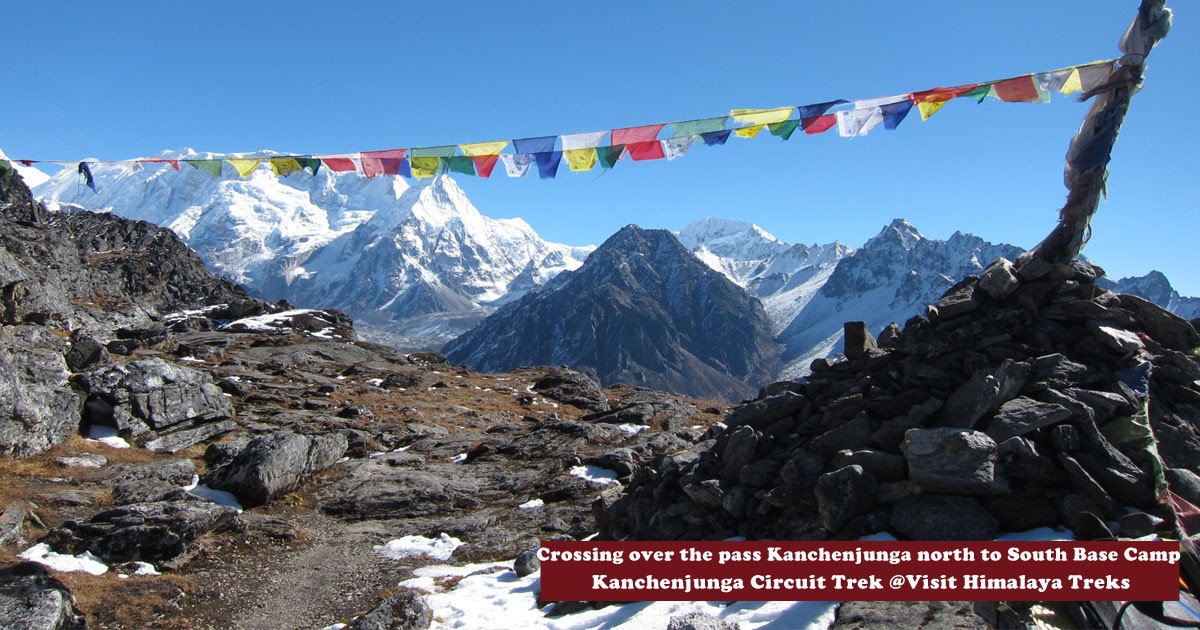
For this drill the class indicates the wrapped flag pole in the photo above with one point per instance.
(1091, 148)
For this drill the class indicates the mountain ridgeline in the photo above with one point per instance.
(642, 310)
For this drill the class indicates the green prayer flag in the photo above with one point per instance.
(979, 93)
(440, 152)
(462, 164)
(784, 129)
(697, 127)
(312, 164)
(5, 167)
(212, 167)
(608, 156)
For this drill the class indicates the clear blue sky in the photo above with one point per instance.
(129, 79)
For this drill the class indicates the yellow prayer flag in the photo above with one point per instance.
(581, 159)
(762, 116)
(244, 166)
(284, 166)
(748, 132)
(424, 167)
(929, 108)
(1073, 83)
(483, 148)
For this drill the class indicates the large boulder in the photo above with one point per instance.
(152, 395)
(276, 463)
(32, 599)
(572, 388)
(148, 532)
(403, 611)
(37, 406)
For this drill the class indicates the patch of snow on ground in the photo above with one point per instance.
(438, 548)
(460, 458)
(493, 597)
(220, 497)
(595, 474)
(269, 322)
(631, 429)
(85, 562)
(106, 435)
(530, 504)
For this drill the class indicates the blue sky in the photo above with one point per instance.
(130, 79)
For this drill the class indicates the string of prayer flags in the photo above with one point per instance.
(584, 151)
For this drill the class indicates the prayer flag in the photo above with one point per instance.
(517, 165)
(858, 122)
(715, 138)
(425, 167)
(284, 166)
(174, 163)
(748, 132)
(483, 148)
(587, 140)
(608, 156)
(697, 127)
(762, 116)
(444, 151)
(6, 166)
(462, 164)
(339, 164)
(1018, 90)
(580, 159)
(381, 162)
(1094, 74)
(485, 163)
(648, 150)
(929, 108)
(981, 92)
(677, 147)
(543, 144)
(1073, 83)
(244, 166)
(814, 111)
(631, 135)
(87, 176)
(784, 129)
(212, 167)
(818, 124)
(894, 113)
(312, 164)
(547, 163)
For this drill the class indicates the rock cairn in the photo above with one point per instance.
(1025, 397)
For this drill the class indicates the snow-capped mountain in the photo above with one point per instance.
(417, 265)
(425, 269)
(641, 310)
(242, 228)
(1155, 287)
(783, 277)
(889, 279)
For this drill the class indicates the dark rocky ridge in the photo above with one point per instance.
(1026, 397)
(642, 310)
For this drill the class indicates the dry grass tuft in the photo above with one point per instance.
(136, 602)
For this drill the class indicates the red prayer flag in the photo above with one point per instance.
(1018, 90)
(818, 124)
(484, 164)
(340, 165)
(382, 162)
(941, 94)
(648, 150)
(634, 135)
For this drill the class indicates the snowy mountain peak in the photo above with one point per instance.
(899, 231)
(712, 230)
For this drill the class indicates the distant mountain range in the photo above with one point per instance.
(417, 266)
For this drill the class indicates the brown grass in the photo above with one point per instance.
(135, 602)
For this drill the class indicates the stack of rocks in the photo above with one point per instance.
(1025, 397)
